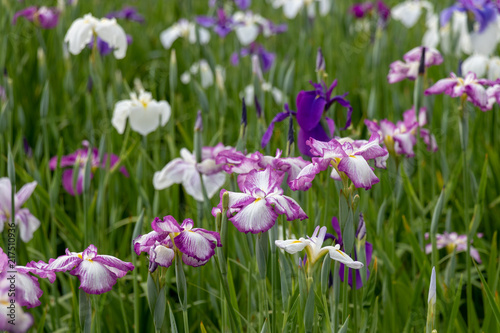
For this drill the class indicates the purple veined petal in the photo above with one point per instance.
(358, 171)
(28, 13)
(192, 261)
(243, 4)
(39, 268)
(64, 263)
(304, 179)
(162, 255)
(291, 165)
(288, 206)
(144, 242)
(27, 223)
(371, 149)
(255, 217)
(373, 126)
(90, 252)
(95, 278)
(442, 86)
(303, 136)
(187, 224)
(167, 225)
(381, 162)
(269, 132)
(47, 17)
(477, 94)
(331, 124)
(23, 194)
(212, 236)
(387, 128)
(267, 181)
(310, 108)
(398, 71)
(237, 200)
(405, 143)
(195, 245)
(117, 266)
(27, 290)
(328, 150)
(67, 160)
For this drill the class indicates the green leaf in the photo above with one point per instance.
(173, 325)
(489, 295)
(456, 304)
(159, 314)
(152, 292)
(411, 193)
(309, 309)
(85, 312)
(344, 327)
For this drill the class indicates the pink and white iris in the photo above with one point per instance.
(452, 241)
(349, 160)
(408, 69)
(97, 273)
(27, 223)
(261, 201)
(196, 245)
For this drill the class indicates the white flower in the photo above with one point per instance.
(292, 7)
(409, 12)
(246, 26)
(206, 74)
(482, 66)
(266, 87)
(144, 113)
(313, 244)
(183, 28)
(83, 30)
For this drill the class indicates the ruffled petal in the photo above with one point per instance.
(255, 217)
(358, 171)
(114, 35)
(64, 263)
(95, 278)
(172, 173)
(288, 206)
(310, 108)
(195, 245)
(120, 115)
(342, 257)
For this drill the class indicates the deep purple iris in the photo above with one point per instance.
(222, 24)
(311, 105)
(266, 58)
(127, 13)
(360, 234)
(103, 47)
(484, 11)
(362, 9)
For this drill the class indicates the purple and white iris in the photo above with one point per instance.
(469, 88)
(409, 69)
(261, 201)
(221, 24)
(127, 13)
(452, 241)
(28, 290)
(349, 160)
(196, 245)
(80, 158)
(27, 223)
(184, 28)
(485, 11)
(185, 170)
(400, 138)
(266, 58)
(97, 273)
(313, 247)
(45, 17)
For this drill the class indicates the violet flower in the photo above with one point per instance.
(400, 138)
(222, 24)
(97, 273)
(364, 9)
(28, 290)
(452, 241)
(79, 158)
(44, 17)
(196, 245)
(360, 237)
(185, 170)
(400, 70)
(243, 4)
(484, 11)
(266, 58)
(127, 13)
(261, 202)
(348, 158)
(469, 88)
(27, 223)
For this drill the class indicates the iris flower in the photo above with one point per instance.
(127, 13)
(484, 11)
(408, 12)
(452, 241)
(183, 28)
(203, 68)
(292, 7)
(196, 245)
(348, 158)
(248, 26)
(313, 247)
(83, 30)
(266, 58)
(23, 321)
(97, 273)
(400, 70)
(261, 201)
(185, 170)
(482, 66)
(80, 158)
(143, 113)
(27, 223)
(222, 24)
(364, 9)
(400, 138)
(45, 17)
(469, 88)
